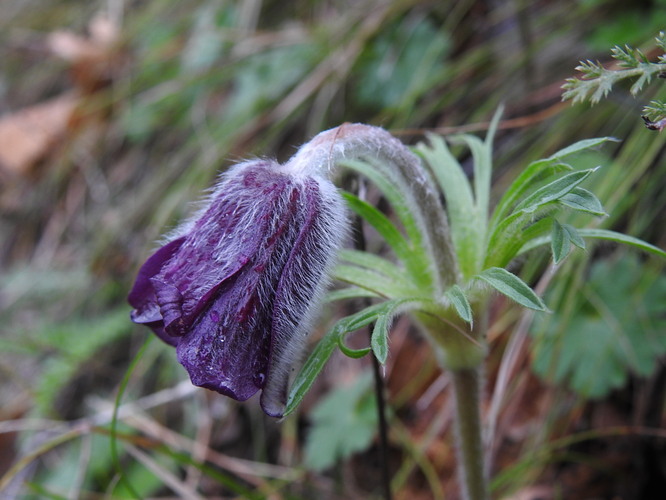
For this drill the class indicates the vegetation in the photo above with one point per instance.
(112, 125)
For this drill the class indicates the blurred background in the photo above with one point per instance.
(115, 115)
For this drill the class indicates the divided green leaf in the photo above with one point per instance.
(614, 326)
(343, 423)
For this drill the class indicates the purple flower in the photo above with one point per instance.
(236, 288)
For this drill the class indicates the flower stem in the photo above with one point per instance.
(360, 244)
(472, 474)
(383, 429)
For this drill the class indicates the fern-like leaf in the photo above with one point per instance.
(596, 81)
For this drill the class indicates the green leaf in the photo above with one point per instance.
(400, 196)
(535, 172)
(574, 236)
(581, 146)
(614, 326)
(560, 243)
(553, 191)
(459, 300)
(312, 367)
(379, 341)
(604, 234)
(364, 317)
(513, 233)
(343, 423)
(600, 234)
(561, 238)
(352, 292)
(583, 200)
(460, 206)
(513, 287)
(538, 171)
(374, 282)
(316, 361)
(382, 225)
(349, 352)
(374, 263)
(483, 165)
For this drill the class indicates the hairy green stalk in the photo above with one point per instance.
(472, 471)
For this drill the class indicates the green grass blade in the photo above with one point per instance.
(114, 418)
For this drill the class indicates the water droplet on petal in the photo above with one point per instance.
(259, 379)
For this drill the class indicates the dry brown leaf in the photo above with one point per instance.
(76, 48)
(92, 58)
(27, 135)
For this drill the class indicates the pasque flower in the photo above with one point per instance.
(235, 289)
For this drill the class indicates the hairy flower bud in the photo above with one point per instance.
(235, 289)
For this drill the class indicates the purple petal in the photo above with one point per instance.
(301, 283)
(235, 292)
(142, 296)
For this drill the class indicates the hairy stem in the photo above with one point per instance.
(472, 474)
(464, 361)
(355, 141)
(383, 428)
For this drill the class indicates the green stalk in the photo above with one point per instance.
(463, 358)
(471, 470)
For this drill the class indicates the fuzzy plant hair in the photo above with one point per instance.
(235, 290)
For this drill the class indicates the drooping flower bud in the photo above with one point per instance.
(236, 288)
